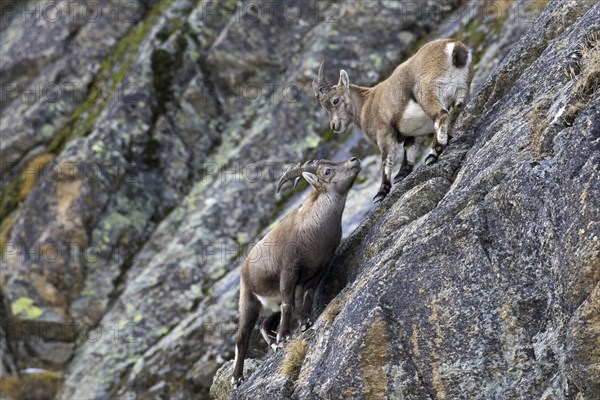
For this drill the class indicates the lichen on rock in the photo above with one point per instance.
(476, 278)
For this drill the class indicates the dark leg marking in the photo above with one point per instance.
(386, 184)
(405, 170)
(407, 165)
(431, 159)
(384, 190)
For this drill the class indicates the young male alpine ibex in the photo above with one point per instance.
(415, 100)
(283, 270)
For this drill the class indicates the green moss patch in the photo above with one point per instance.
(24, 307)
(83, 119)
(110, 75)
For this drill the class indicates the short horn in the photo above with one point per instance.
(296, 171)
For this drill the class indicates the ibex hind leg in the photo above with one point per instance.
(460, 97)
(287, 288)
(408, 162)
(268, 329)
(440, 138)
(434, 152)
(441, 121)
(458, 104)
(249, 311)
(308, 297)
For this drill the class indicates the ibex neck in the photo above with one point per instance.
(327, 206)
(359, 96)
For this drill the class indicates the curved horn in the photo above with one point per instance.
(296, 171)
(320, 84)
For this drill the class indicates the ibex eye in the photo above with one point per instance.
(327, 171)
(336, 101)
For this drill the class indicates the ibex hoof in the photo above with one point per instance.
(403, 173)
(277, 346)
(281, 339)
(305, 325)
(379, 198)
(384, 190)
(235, 383)
(431, 159)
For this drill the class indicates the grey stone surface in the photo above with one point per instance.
(152, 193)
(478, 278)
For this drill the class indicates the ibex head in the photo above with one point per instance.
(324, 175)
(335, 99)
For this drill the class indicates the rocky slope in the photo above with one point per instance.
(479, 277)
(145, 164)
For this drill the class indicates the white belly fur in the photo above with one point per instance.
(270, 303)
(273, 303)
(415, 122)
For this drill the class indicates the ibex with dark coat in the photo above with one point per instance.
(285, 267)
(415, 100)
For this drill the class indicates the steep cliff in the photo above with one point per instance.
(479, 277)
(141, 144)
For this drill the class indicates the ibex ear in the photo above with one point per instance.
(313, 180)
(344, 80)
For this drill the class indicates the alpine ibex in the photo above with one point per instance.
(416, 100)
(285, 267)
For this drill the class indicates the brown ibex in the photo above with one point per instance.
(285, 267)
(416, 100)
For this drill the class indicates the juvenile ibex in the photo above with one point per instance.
(285, 267)
(415, 100)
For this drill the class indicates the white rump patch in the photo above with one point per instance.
(453, 84)
(449, 52)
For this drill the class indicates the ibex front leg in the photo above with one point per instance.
(287, 285)
(388, 158)
(307, 300)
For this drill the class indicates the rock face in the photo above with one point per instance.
(128, 206)
(478, 278)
